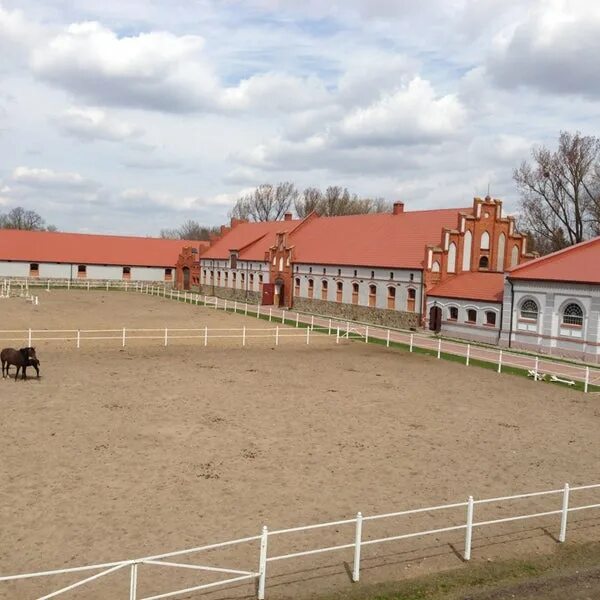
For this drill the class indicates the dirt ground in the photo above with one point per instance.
(116, 453)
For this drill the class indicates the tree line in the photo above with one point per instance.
(20, 218)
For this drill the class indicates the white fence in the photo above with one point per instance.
(537, 367)
(127, 335)
(360, 539)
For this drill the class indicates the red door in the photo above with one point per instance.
(268, 293)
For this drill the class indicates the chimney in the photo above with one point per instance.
(287, 216)
(398, 208)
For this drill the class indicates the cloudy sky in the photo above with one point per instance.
(127, 116)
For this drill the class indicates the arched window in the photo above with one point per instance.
(355, 293)
(372, 296)
(339, 291)
(218, 277)
(281, 263)
(311, 288)
(500, 257)
(243, 278)
(490, 318)
(226, 278)
(471, 316)
(324, 289)
(391, 297)
(410, 299)
(452, 258)
(233, 279)
(484, 263)
(251, 281)
(467, 243)
(572, 315)
(514, 256)
(485, 241)
(453, 313)
(435, 267)
(297, 286)
(260, 282)
(529, 310)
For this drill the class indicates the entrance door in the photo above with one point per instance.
(186, 278)
(268, 292)
(278, 299)
(435, 319)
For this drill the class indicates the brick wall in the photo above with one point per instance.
(352, 312)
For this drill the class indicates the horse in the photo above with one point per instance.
(23, 358)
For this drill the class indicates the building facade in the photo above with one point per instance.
(57, 255)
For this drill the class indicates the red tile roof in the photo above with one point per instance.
(487, 287)
(383, 239)
(88, 249)
(576, 264)
(251, 240)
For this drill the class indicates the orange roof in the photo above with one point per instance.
(575, 264)
(381, 239)
(251, 240)
(88, 249)
(488, 287)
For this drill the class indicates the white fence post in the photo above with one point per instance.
(439, 354)
(387, 339)
(337, 336)
(537, 367)
(329, 330)
(469, 531)
(312, 322)
(206, 336)
(246, 309)
(123, 337)
(468, 354)
(357, 543)
(225, 306)
(367, 334)
(564, 514)
(412, 339)
(258, 311)
(587, 380)
(308, 335)
(133, 582)
(297, 319)
(277, 335)
(88, 286)
(166, 336)
(270, 314)
(29, 338)
(235, 307)
(262, 563)
(244, 336)
(106, 286)
(78, 339)
(283, 317)
(500, 362)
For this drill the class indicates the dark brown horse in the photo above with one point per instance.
(23, 358)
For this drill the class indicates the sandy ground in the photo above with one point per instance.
(117, 453)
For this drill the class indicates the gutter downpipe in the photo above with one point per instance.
(512, 312)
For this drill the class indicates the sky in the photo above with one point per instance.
(129, 116)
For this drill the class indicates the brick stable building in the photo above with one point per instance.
(380, 268)
(59, 255)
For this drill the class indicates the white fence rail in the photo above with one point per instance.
(359, 540)
(537, 367)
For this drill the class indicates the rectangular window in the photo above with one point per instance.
(297, 286)
(126, 273)
(490, 318)
(81, 272)
(168, 274)
(34, 270)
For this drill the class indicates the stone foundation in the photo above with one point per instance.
(352, 312)
(231, 294)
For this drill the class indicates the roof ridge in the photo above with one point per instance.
(554, 255)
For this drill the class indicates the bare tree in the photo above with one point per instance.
(190, 230)
(20, 218)
(560, 203)
(308, 202)
(266, 203)
(337, 201)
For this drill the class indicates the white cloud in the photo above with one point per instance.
(47, 178)
(553, 48)
(410, 115)
(95, 124)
